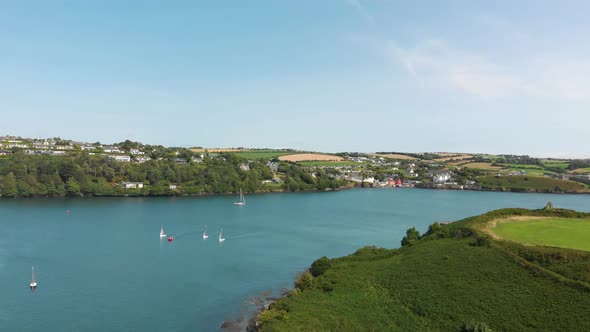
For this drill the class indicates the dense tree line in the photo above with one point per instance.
(82, 174)
(578, 163)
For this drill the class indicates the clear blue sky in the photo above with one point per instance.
(328, 75)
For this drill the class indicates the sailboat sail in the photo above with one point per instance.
(242, 200)
(162, 234)
(33, 282)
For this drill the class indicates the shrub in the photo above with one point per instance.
(412, 235)
(304, 281)
(474, 326)
(320, 266)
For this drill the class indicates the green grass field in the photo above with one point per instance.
(555, 164)
(328, 163)
(518, 166)
(558, 232)
(262, 154)
(529, 183)
(441, 282)
(581, 170)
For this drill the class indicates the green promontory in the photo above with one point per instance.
(456, 277)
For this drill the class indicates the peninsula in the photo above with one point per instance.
(461, 276)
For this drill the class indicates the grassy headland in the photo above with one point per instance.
(454, 278)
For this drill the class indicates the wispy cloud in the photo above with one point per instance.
(435, 64)
(360, 8)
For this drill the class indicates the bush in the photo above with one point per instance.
(474, 326)
(412, 235)
(320, 266)
(304, 281)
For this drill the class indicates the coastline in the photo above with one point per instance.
(504, 190)
(258, 192)
(284, 191)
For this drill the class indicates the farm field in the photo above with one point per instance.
(555, 164)
(482, 166)
(310, 157)
(529, 183)
(215, 150)
(456, 157)
(557, 232)
(395, 156)
(520, 166)
(328, 163)
(581, 170)
(262, 154)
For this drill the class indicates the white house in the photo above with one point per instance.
(63, 147)
(441, 176)
(411, 173)
(172, 186)
(111, 149)
(132, 185)
(141, 160)
(244, 167)
(136, 152)
(121, 157)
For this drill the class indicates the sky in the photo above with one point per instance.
(322, 75)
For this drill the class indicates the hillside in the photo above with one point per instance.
(456, 278)
(530, 184)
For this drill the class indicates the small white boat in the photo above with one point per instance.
(162, 234)
(33, 284)
(205, 236)
(221, 238)
(242, 200)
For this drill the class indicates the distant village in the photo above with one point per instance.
(377, 170)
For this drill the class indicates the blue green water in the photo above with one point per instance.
(104, 268)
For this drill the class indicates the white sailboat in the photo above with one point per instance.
(221, 238)
(162, 234)
(242, 200)
(33, 284)
(205, 236)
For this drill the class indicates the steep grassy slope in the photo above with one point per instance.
(452, 279)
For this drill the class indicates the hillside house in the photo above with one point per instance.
(244, 167)
(441, 176)
(410, 172)
(121, 158)
(136, 152)
(273, 166)
(5, 153)
(132, 185)
(111, 149)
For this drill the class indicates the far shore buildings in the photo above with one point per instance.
(132, 185)
(121, 157)
(441, 176)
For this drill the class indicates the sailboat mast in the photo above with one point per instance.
(32, 274)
